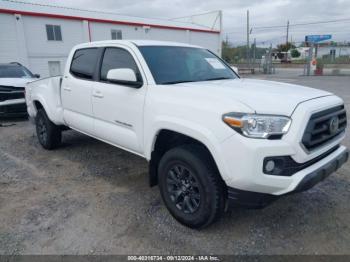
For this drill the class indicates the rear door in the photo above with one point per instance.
(77, 89)
(118, 109)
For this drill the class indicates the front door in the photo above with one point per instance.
(118, 109)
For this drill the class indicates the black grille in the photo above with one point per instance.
(11, 92)
(13, 110)
(324, 126)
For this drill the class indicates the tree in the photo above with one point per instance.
(236, 54)
(285, 47)
(227, 53)
(295, 53)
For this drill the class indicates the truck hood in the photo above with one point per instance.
(264, 97)
(16, 82)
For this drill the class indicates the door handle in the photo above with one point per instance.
(97, 94)
(67, 88)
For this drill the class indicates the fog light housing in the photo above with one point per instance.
(274, 165)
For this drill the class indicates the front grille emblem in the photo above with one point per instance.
(333, 125)
(324, 126)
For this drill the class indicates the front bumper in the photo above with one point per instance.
(322, 172)
(238, 197)
(241, 159)
(13, 108)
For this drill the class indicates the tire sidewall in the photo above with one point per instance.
(53, 133)
(41, 116)
(200, 172)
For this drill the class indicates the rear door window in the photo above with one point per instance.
(84, 63)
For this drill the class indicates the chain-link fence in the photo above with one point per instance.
(321, 59)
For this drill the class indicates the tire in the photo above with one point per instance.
(49, 135)
(191, 186)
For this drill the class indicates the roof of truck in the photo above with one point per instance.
(160, 43)
(136, 42)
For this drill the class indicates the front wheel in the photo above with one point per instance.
(191, 186)
(49, 134)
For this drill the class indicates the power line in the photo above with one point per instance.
(298, 24)
(323, 22)
(303, 24)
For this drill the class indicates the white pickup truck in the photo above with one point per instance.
(212, 139)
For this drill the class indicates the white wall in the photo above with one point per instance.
(207, 40)
(8, 39)
(167, 35)
(41, 50)
(102, 31)
(25, 40)
(37, 43)
(339, 50)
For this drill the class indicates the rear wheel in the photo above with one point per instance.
(191, 186)
(49, 134)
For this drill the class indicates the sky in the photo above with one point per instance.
(263, 13)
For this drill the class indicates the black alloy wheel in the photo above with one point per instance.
(49, 134)
(191, 186)
(42, 131)
(183, 189)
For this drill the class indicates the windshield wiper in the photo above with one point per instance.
(188, 81)
(177, 82)
(217, 78)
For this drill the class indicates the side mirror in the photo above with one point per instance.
(36, 75)
(123, 76)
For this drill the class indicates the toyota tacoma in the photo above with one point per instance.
(212, 139)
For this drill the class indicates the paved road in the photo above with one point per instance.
(90, 198)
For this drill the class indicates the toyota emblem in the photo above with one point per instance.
(334, 125)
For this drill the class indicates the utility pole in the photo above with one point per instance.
(287, 33)
(308, 66)
(254, 52)
(269, 61)
(248, 56)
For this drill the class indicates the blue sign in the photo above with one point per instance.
(317, 38)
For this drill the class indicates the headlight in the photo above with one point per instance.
(258, 126)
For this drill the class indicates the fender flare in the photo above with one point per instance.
(194, 131)
(50, 114)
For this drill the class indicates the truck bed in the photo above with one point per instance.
(46, 91)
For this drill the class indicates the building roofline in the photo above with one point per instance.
(98, 20)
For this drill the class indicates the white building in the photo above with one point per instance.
(336, 51)
(41, 36)
(325, 50)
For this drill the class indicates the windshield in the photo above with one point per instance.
(174, 64)
(10, 71)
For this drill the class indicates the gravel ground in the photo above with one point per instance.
(90, 198)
